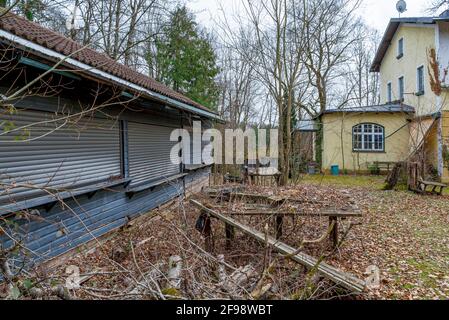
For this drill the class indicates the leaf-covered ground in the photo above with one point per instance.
(403, 234)
(406, 235)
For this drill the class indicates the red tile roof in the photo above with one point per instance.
(52, 40)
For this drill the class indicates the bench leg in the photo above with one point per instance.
(207, 233)
(279, 223)
(230, 232)
(422, 187)
(334, 233)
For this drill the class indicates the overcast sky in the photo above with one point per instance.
(376, 13)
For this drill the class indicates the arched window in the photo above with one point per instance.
(368, 137)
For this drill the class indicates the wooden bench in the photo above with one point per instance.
(423, 184)
(384, 165)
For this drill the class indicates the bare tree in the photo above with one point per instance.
(239, 87)
(437, 5)
(329, 35)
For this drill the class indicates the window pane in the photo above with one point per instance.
(368, 142)
(368, 128)
(401, 88)
(357, 142)
(378, 142)
(368, 137)
(421, 79)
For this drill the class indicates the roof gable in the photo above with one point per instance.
(389, 34)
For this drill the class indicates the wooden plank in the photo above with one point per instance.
(431, 183)
(276, 199)
(346, 280)
(338, 214)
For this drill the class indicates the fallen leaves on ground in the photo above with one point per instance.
(405, 235)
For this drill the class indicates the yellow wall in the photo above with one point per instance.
(396, 146)
(417, 40)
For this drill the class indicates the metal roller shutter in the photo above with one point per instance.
(192, 156)
(207, 145)
(196, 154)
(188, 148)
(50, 152)
(149, 148)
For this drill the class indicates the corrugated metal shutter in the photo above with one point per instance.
(149, 152)
(206, 145)
(53, 153)
(187, 151)
(196, 154)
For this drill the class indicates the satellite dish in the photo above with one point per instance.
(401, 6)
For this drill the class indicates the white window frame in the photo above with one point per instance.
(420, 91)
(401, 52)
(361, 133)
(401, 94)
(389, 92)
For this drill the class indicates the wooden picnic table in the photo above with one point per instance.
(332, 214)
(344, 279)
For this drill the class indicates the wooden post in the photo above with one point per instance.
(334, 233)
(279, 223)
(230, 232)
(207, 233)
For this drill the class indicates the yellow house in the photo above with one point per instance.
(413, 62)
(357, 138)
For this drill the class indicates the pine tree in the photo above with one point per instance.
(186, 59)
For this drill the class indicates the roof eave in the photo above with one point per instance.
(384, 44)
(31, 46)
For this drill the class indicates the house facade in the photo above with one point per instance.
(357, 138)
(85, 143)
(413, 62)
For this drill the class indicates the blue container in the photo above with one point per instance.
(335, 170)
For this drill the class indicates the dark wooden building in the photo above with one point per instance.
(85, 142)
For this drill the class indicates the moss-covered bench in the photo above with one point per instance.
(423, 184)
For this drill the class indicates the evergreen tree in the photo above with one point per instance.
(186, 60)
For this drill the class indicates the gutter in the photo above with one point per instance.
(84, 67)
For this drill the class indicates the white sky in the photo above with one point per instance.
(376, 13)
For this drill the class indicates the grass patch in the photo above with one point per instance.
(375, 182)
(429, 271)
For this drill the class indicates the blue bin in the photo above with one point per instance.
(335, 170)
